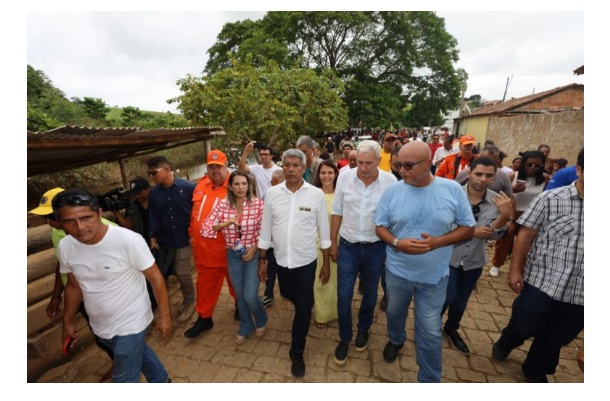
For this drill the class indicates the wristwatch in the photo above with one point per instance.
(395, 244)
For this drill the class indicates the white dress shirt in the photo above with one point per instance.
(291, 223)
(357, 204)
(441, 153)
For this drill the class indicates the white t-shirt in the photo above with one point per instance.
(263, 178)
(110, 276)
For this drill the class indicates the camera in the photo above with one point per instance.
(259, 145)
(115, 199)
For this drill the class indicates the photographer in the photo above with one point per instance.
(136, 214)
(262, 172)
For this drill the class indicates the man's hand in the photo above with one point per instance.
(249, 147)
(250, 253)
(53, 307)
(154, 244)
(483, 232)
(164, 327)
(325, 274)
(413, 246)
(334, 252)
(503, 203)
(69, 331)
(515, 281)
(262, 270)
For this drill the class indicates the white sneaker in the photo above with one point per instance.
(494, 271)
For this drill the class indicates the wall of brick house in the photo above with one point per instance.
(561, 100)
(563, 131)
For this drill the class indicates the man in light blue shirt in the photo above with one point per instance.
(420, 218)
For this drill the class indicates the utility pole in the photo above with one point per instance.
(508, 81)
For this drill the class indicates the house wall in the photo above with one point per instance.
(561, 100)
(563, 131)
(476, 126)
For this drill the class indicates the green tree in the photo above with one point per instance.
(410, 50)
(264, 103)
(94, 108)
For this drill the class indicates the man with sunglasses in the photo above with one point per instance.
(420, 219)
(107, 268)
(491, 211)
(169, 216)
(386, 152)
(263, 172)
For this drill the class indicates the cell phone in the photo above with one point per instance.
(68, 343)
(521, 182)
(259, 145)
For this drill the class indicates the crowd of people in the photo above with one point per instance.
(413, 217)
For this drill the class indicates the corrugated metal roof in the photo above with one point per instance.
(69, 147)
(519, 102)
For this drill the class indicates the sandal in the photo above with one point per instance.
(320, 325)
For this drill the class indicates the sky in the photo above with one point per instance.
(135, 58)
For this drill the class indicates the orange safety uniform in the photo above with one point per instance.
(447, 168)
(210, 254)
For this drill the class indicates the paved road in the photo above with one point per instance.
(213, 357)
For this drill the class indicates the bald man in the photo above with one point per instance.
(420, 219)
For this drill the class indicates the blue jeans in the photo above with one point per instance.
(552, 323)
(429, 300)
(132, 356)
(369, 259)
(244, 277)
(271, 273)
(297, 286)
(461, 284)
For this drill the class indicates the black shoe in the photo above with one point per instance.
(383, 304)
(390, 352)
(200, 325)
(267, 301)
(341, 352)
(362, 340)
(298, 364)
(456, 340)
(236, 315)
(498, 353)
(534, 378)
(361, 286)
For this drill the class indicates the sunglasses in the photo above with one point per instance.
(407, 166)
(475, 210)
(537, 165)
(75, 200)
(154, 172)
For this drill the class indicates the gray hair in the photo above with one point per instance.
(368, 146)
(294, 153)
(277, 174)
(307, 141)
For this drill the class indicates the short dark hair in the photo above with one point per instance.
(266, 147)
(158, 161)
(483, 161)
(73, 197)
(580, 159)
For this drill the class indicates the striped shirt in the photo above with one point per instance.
(249, 226)
(555, 262)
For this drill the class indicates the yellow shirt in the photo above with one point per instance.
(384, 163)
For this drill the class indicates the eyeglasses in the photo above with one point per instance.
(78, 200)
(537, 165)
(152, 173)
(475, 211)
(407, 166)
(390, 139)
(264, 154)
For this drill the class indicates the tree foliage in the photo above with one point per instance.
(264, 103)
(383, 51)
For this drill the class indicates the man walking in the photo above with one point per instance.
(491, 212)
(547, 271)
(262, 173)
(210, 253)
(169, 215)
(420, 218)
(359, 249)
(107, 267)
(295, 213)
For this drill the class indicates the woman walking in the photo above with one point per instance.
(239, 217)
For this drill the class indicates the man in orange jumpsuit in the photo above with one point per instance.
(453, 164)
(209, 253)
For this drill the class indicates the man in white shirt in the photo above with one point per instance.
(444, 151)
(107, 268)
(358, 249)
(293, 215)
(262, 173)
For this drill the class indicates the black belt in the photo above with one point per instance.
(365, 244)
